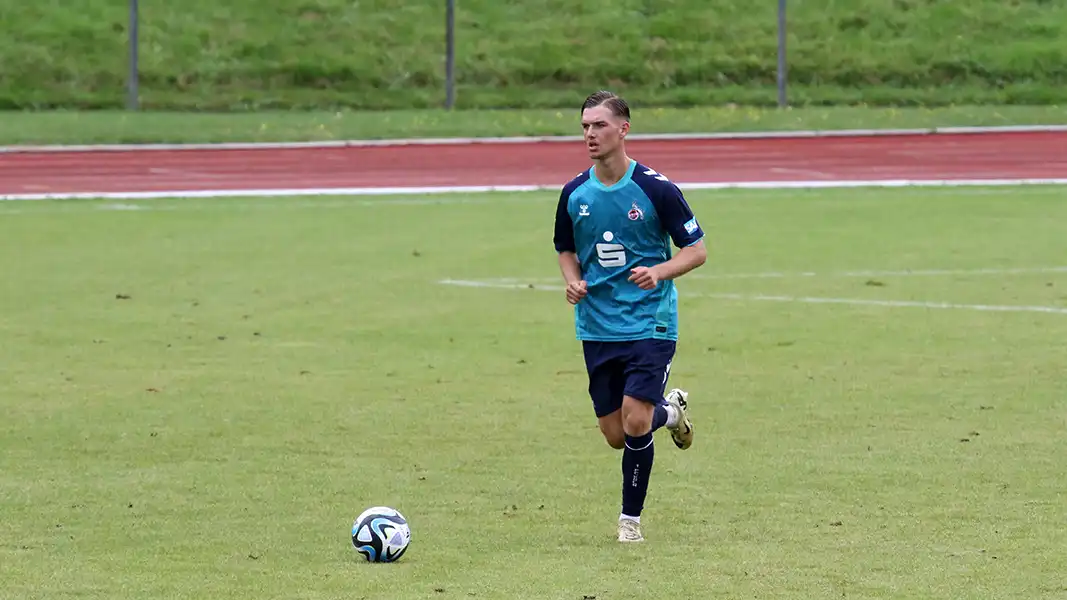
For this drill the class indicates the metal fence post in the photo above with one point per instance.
(781, 54)
(132, 92)
(450, 53)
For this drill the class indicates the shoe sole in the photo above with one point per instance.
(683, 435)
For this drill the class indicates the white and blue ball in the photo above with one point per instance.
(381, 534)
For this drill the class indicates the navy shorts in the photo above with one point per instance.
(616, 369)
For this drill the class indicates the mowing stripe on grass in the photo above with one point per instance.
(478, 189)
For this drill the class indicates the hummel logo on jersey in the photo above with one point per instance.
(583, 210)
(656, 175)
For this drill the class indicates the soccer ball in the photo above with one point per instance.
(381, 534)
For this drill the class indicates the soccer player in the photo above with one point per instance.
(613, 228)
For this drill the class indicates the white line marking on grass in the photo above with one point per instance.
(872, 183)
(479, 189)
(503, 285)
(118, 206)
(799, 299)
(889, 303)
(869, 273)
(285, 192)
(536, 139)
(898, 273)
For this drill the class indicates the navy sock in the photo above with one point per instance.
(636, 468)
(659, 416)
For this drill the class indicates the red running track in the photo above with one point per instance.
(1029, 155)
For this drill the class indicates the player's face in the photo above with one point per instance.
(604, 131)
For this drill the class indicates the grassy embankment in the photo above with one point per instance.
(334, 55)
(389, 54)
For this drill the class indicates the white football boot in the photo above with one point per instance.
(630, 531)
(682, 432)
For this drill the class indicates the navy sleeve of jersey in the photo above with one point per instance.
(564, 236)
(671, 206)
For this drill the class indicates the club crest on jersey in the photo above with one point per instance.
(635, 213)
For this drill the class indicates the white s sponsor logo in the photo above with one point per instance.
(611, 255)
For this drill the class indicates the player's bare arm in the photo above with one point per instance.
(684, 261)
(572, 276)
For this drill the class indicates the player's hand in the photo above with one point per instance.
(645, 277)
(576, 290)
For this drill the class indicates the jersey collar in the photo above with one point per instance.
(618, 184)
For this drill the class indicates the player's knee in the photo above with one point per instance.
(637, 422)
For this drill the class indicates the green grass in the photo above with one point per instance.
(382, 54)
(200, 396)
(127, 127)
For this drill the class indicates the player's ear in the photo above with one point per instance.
(625, 128)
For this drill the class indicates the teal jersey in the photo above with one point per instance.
(613, 229)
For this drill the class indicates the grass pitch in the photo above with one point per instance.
(200, 395)
(110, 127)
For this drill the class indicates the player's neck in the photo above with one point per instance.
(610, 169)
